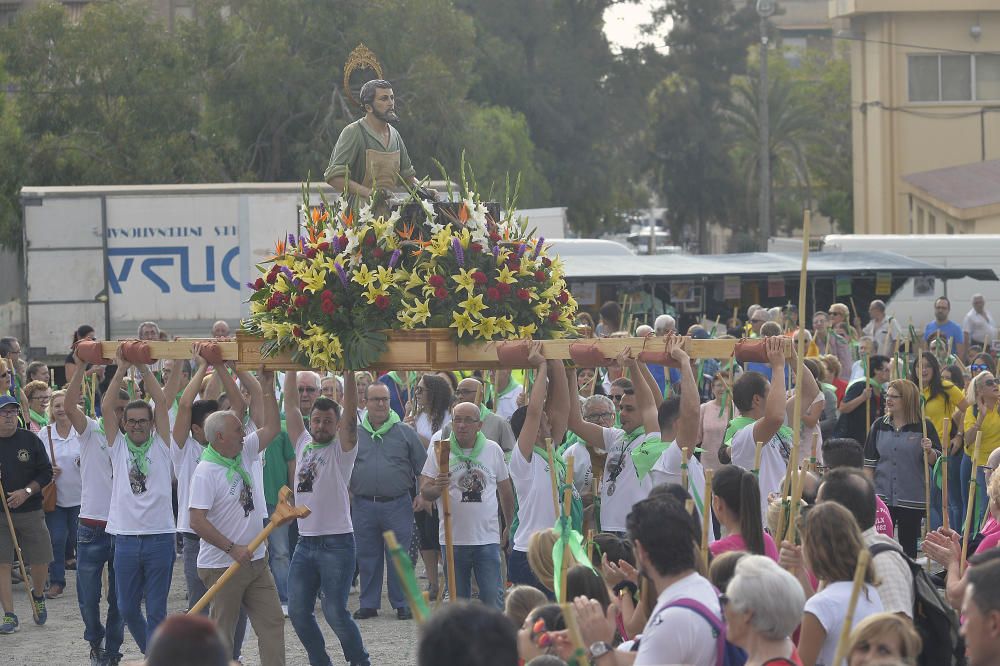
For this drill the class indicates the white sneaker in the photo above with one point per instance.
(284, 609)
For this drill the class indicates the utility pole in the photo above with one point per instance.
(765, 8)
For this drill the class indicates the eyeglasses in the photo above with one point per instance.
(39, 397)
(8, 413)
(307, 389)
(136, 423)
(972, 368)
(893, 396)
(466, 392)
(598, 416)
(989, 382)
(464, 420)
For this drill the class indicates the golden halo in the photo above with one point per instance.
(361, 58)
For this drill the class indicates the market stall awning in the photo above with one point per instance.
(707, 267)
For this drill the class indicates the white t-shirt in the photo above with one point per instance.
(185, 461)
(69, 485)
(668, 470)
(829, 605)
(772, 463)
(980, 327)
(228, 511)
(806, 438)
(473, 493)
(680, 635)
(141, 504)
(533, 487)
(321, 480)
(425, 428)
(618, 496)
(95, 473)
(583, 474)
(507, 404)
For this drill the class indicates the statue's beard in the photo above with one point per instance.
(387, 117)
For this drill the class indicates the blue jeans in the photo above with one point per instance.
(979, 505)
(145, 567)
(956, 509)
(324, 563)
(519, 572)
(484, 560)
(196, 590)
(371, 519)
(62, 525)
(94, 549)
(278, 556)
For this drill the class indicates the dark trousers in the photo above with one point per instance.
(907, 523)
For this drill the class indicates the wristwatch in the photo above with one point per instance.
(599, 649)
(28, 490)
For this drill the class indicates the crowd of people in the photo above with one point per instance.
(677, 475)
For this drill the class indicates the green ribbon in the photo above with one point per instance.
(740, 422)
(576, 502)
(384, 428)
(233, 465)
(409, 579)
(138, 453)
(566, 536)
(461, 454)
(571, 439)
(40, 419)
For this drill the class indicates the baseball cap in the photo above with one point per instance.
(7, 400)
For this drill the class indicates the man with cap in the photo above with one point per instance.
(24, 469)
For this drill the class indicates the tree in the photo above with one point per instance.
(498, 147)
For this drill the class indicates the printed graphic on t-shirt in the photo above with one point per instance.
(472, 483)
(308, 471)
(136, 479)
(246, 499)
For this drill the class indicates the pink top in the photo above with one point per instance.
(711, 430)
(991, 535)
(736, 542)
(883, 519)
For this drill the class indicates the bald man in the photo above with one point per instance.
(493, 427)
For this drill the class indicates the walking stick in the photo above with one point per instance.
(946, 429)
(444, 457)
(927, 471)
(284, 512)
(568, 508)
(685, 456)
(407, 577)
(845, 630)
(17, 548)
(552, 474)
(973, 488)
(756, 458)
(706, 516)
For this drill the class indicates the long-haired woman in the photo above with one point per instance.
(736, 503)
(983, 395)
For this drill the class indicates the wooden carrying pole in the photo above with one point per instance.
(444, 462)
(973, 488)
(946, 450)
(685, 457)
(284, 512)
(418, 609)
(756, 458)
(793, 507)
(17, 546)
(553, 478)
(864, 557)
(927, 469)
(706, 522)
(568, 509)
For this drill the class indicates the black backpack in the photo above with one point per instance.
(934, 619)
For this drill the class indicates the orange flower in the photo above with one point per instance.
(279, 247)
(406, 233)
(348, 218)
(315, 215)
(463, 214)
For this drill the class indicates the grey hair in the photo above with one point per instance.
(643, 330)
(215, 422)
(753, 308)
(367, 94)
(772, 594)
(310, 373)
(598, 399)
(145, 324)
(664, 323)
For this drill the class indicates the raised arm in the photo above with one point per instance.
(293, 415)
(111, 419)
(250, 383)
(536, 402)
(591, 433)
(558, 409)
(173, 385)
(348, 428)
(271, 426)
(689, 421)
(161, 411)
(774, 407)
(73, 391)
(182, 423)
(643, 395)
(237, 404)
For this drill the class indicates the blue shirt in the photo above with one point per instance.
(945, 331)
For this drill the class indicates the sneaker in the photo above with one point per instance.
(97, 656)
(39, 608)
(404, 613)
(284, 609)
(10, 624)
(112, 659)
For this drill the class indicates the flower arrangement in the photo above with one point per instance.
(329, 296)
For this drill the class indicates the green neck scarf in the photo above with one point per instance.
(511, 385)
(571, 439)
(740, 422)
(567, 536)
(646, 454)
(313, 446)
(465, 455)
(878, 387)
(828, 387)
(634, 435)
(559, 462)
(139, 453)
(483, 412)
(41, 419)
(233, 466)
(384, 428)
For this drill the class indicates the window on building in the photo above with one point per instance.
(953, 78)
(931, 224)
(7, 11)
(920, 219)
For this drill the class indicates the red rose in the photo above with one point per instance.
(523, 294)
(301, 301)
(504, 288)
(494, 236)
(297, 332)
(441, 293)
(258, 283)
(290, 312)
(479, 277)
(310, 253)
(546, 262)
(436, 281)
(342, 242)
(563, 297)
(369, 239)
(327, 295)
(540, 276)
(514, 264)
(554, 317)
(272, 278)
(382, 302)
(493, 294)
(379, 253)
(328, 307)
(323, 247)
(476, 247)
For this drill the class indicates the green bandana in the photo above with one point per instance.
(41, 419)
(560, 466)
(139, 453)
(566, 536)
(646, 454)
(313, 446)
(511, 385)
(740, 422)
(571, 439)
(457, 452)
(635, 434)
(871, 381)
(483, 412)
(384, 428)
(233, 466)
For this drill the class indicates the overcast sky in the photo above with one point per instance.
(622, 23)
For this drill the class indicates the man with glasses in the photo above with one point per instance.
(599, 410)
(829, 341)
(758, 319)
(476, 482)
(389, 461)
(10, 349)
(944, 329)
(493, 427)
(25, 470)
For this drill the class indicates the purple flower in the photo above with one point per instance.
(459, 255)
(251, 285)
(496, 251)
(296, 283)
(394, 258)
(520, 250)
(291, 240)
(538, 247)
(322, 208)
(342, 273)
(287, 272)
(302, 241)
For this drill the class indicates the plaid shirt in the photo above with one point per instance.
(895, 582)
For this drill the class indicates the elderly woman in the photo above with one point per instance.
(35, 402)
(881, 637)
(982, 418)
(763, 606)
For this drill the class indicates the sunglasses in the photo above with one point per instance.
(989, 382)
(974, 367)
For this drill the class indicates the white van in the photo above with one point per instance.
(916, 298)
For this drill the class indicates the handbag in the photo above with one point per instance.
(49, 491)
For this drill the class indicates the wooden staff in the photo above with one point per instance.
(756, 458)
(854, 310)
(865, 360)
(973, 487)
(706, 515)
(689, 506)
(793, 509)
(812, 454)
(568, 509)
(927, 470)
(896, 373)
(685, 456)
(17, 546)
(569, 617)
(590, 544)
(946, 429)
(845, 630)
(418, 612)
(552, 474)
(444, 459)
(284, 513)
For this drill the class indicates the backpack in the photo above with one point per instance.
(727, 654)
(933, 618)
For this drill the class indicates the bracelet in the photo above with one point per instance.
(230, 546)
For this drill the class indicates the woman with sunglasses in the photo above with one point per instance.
(982, 363)
(894, 458)
(35, 403)
(984, 417)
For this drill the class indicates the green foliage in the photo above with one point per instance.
(497, 144)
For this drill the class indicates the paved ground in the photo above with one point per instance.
(390, 642)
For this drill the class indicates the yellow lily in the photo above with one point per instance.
(463, 322)
(464, 280)
(542, 309)
(363, 276)
(473, 304)
(505, 326)
(488, 328)
(525, 332)
(506, 276)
